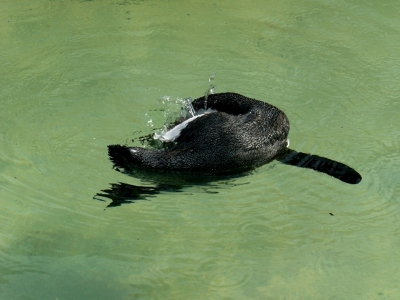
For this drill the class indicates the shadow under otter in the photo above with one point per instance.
(229, 135)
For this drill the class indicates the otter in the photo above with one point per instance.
(229, 134)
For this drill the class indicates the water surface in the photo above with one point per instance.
(79, 75)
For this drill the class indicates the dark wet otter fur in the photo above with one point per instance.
(241, 135)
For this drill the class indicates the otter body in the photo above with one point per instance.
(237, 135)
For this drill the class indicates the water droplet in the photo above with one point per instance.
(212, 78)
(210, 91)
(188, 107)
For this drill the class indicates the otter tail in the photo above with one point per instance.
(321, 164)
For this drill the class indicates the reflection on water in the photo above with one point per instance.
(154, 183)
(79, 75)
(121, 193)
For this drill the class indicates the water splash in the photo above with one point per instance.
(210, 90)
(150, 121)
(174, 112)
(170, 108)
(188, 107)
(177, 111)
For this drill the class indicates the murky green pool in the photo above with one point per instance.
(77, 76)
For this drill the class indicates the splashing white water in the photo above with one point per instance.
(177, 111)
(150, 121)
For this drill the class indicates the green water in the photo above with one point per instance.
(79, 75)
